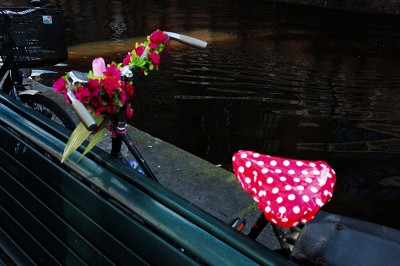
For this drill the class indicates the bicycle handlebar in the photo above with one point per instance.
(79, 77)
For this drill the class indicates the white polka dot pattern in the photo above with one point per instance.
(288, 191)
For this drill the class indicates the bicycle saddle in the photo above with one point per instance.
(288, 191)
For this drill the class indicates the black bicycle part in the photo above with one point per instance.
(36, 3)
(285, 236)
(119, 126)
(48, 108)
(139, 158)
(258, 226)
(116, 146)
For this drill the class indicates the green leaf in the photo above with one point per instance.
(97, 137)
(79, 135)
(90, 74)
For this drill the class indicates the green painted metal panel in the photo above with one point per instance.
(12, 249)
(99, 204)
(107, 219)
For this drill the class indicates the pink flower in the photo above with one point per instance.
(122, 96)
(113, 71)
(156, 38)
(127, 59)
(153, 45)
(59, 85)
(99, 66)
(94, 87)
(155, 58)
(139, 50)
(96, 101)
(168, 43)
(128, 112)
(83, 94)
(100, 109)
(111, 107)
(129, 90)
(110, 85)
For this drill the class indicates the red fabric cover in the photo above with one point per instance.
(288, 191)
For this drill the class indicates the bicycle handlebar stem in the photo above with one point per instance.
(78, 77)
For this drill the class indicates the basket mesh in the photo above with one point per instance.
(32, 37)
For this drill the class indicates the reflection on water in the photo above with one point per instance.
(282, 80)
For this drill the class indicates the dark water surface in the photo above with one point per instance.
(279, 79)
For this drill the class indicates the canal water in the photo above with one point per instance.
(279, 79)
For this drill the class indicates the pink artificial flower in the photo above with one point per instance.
(128, 112)
(99, 66)
(129, 89)
(153, 45)
(111, 107)
(155, 58)
(140, 50)
(110, 85)
(95, 101)
(127, 59)
(83, 94)
(168, 43)
(156, 38)
(122, 96)
(100, 109)
(113, 71)
(94, 87)
(60, 85)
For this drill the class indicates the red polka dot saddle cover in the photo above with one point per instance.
(288, 191)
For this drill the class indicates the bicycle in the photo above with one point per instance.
(118, 126)
(292, 237)
(297, 241)
(25, 43)
(120, 137)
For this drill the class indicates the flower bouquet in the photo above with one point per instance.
(109, 87)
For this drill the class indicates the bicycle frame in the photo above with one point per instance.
(118, 127)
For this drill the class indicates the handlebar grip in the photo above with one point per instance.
(192, 41)
(84, 115)
(82, 112)
(187, 40)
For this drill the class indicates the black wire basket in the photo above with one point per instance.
(32, 37)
